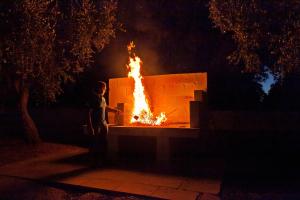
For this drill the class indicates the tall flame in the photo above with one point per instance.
(141, 110)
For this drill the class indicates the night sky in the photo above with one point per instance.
(170, 37)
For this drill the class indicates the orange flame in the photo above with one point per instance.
(141, 110)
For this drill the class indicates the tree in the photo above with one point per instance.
(266, 33)
(46, 43)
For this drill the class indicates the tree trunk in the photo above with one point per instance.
(29, 127)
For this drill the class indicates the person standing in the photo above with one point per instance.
(97, 124)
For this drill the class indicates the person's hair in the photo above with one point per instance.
(100, 84)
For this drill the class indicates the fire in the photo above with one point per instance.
(141, 110)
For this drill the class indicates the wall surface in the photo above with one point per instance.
(166, 93)
(229, 132)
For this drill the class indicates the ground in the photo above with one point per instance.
(233, 187)
(12, 188)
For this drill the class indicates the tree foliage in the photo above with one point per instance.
(27, 46)
(267, 33)
(45, 43)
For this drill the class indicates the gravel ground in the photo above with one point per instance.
(11, 188)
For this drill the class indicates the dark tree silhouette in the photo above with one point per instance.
(46, 43)
(266, 33)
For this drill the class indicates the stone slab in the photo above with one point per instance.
(154, 131)
(53, 169)
(205, 185)
(95, 183)
(137, 188)
(170, 193)
(42, 167)
(169, 93)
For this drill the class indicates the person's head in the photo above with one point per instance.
(100, 87)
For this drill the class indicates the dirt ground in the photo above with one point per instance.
(12, 188)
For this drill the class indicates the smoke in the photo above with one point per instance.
(167, 34)
(144, 30)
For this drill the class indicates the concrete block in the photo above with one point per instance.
(144, 139)
(200, 95)
(198, 115)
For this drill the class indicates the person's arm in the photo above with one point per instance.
(110, 109)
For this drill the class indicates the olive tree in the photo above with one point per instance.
(46, 43)
(266, 33)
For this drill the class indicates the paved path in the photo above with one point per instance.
(71, 168)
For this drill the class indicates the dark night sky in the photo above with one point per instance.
(170, 37)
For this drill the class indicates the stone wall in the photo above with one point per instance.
(253, 121)
(166, 93)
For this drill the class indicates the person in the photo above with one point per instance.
(97, 124)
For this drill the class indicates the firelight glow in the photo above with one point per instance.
(141, 110)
